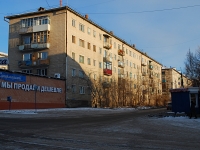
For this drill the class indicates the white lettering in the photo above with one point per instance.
(27, 87)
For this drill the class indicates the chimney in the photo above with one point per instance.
(111, 32)
(86, 16)
(41, 9)
(133, 45)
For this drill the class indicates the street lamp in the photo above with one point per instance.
(35, 88)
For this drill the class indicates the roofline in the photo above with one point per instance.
(4, 54)
(81, 16)
(176, 71)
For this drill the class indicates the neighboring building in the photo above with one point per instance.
(173, 79)
(3, 61)
(99, 67)
(30, 91)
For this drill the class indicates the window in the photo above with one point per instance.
(73, 23)
(73, 55)
(27, 57)
(119, 46)
(81, 27)
(94, 33)
(95, 77)
(73, 72)
(42, 72)
(94, 62)
(81, 43)
(126, 51)
(42, 55)
(100, 64)
(73, 39)
(81, 59)
(99, 36)
(100, 50)
(27, 71)
(26, 40)
(94, 48)
(89, 63)
(114, 45)
(130, 53)
(81, 74)
(88, 31)
(130, 64)
(130, 74)
(82, 90)
(73, 88)
(89, 45)
(40, 37)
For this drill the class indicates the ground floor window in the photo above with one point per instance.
(42, 72)
(27, 71)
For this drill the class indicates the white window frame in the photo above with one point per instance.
(73, 72)
(81, 90)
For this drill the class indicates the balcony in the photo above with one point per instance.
(107, 72)
(121, 52)
(36, 63)
(107, 45)
(24, 30)
(107, 59)
(143, 63)
(121, 64)
(106, 84)
(122, 76)
(42, 27)
(34, 46)
(144, 73)
(150, 67)
(145, 82)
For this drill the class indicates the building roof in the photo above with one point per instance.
(3, 54)
(110, 33)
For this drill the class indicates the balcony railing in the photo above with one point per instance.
(121, 52)
(107, 72)
(143, 63)
(121, 76)
(121, 64)
(144, 73)
(36, 63)
(24, 30)
(107, 45)
(43, 27)
(34, 46)
(145, 82)
(106, 84)
(107, 59)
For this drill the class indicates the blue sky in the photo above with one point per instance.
(165, 30)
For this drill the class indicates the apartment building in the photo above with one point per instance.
(3, 61)
(100, 68)
(172, 79)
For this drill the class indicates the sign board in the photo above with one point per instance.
(12, 77)
(4, 61)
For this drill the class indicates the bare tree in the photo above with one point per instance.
(192, 66)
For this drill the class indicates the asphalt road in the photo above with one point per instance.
(125, 130)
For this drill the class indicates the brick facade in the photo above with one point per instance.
(24, 99)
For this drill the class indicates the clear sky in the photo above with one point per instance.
(165, 30)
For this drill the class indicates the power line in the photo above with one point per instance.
(172, 44)
(47, 3)
(150, 11)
